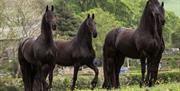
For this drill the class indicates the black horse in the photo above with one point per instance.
(79, 51)
(33, 54)
(145, 42)
(159, 55)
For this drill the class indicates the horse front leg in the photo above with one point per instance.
(143, 70)
(45, 72)
(51, 75)
(105, 75)
(156, 67)
(96, 71)
(38, 79)
(152, 70)
(148, 73)
(118, 64)
(76, 69)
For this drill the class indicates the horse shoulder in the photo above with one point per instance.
(27, 46)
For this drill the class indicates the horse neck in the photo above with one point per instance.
(147, 25)
(46, 32)
(160, 30)
(84, 36)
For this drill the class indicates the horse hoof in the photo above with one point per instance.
(150, 84)
(72, 89)
(117, 87)
(109, 86)
(93, 84)
(49, 87)
(141, 83)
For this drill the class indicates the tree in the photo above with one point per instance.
(67, 23)
(171, 29)
(175, 39)
(24, 14)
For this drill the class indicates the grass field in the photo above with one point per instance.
(161, 87)
(129, 82)
(172, 5)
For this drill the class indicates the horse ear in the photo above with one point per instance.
(47, 8)
(93, 16)
(162, 4)
(88, 16)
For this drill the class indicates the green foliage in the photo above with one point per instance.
(175, 25)
(172, 25)
(126, 12)
(175, 39)
(67, 23)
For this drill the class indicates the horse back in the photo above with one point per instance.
(68, 52)
(122, 41)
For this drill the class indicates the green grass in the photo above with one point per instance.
(161, 87)
(172, 5)
(168, 80)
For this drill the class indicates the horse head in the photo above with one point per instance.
(156, 11)
(91, 25)
(50, 17)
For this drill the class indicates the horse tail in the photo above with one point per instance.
(25, 68)
(108, 57)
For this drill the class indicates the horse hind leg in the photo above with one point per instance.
(105, 75)
(108, 68)
(110, 74)
(26, 74)
(118, 64)
(95, 80)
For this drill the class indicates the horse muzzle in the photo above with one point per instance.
(54, 27)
